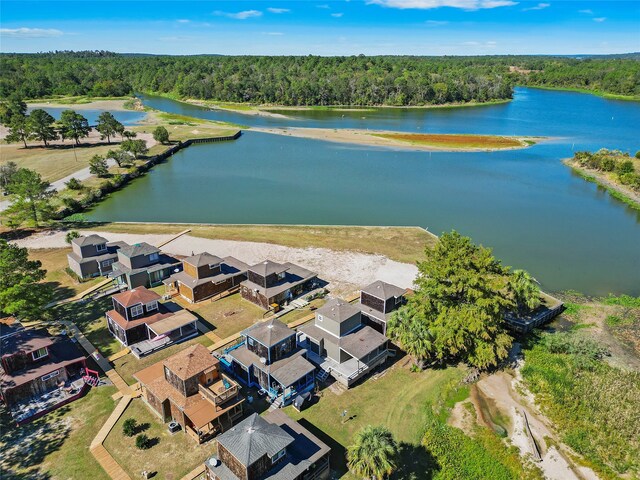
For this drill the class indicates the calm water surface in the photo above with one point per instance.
(525, 204)
(126, 117)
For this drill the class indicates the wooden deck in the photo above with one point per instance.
(108, 463)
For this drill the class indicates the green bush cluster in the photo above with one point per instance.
(611, 161)
(593, 404)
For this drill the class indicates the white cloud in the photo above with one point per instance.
(430, 4)
(489, 44)
(183, 20)
(436, 23)
(587, 11)
(239, 15)
(25, 32)
(540, 6)
(324, 6)
(337, 15)
(278, 10)
(599, 19)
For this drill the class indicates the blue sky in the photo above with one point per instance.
(345, 27)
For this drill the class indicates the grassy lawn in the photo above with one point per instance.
(403, 244)
(128, 365)
(89, 318)
(55, 162)
(454, 141)
(228, 315)
(56, 445)
(171, 456)
(303, 312)
(400, 400)
(54, 261)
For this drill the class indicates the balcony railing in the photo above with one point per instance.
(220, 391)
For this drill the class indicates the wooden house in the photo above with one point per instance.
(340, 344)
(93, 256)
(270, 283)
(378, 301)
(273, 447)
(268, 358)
(39, 373)
(143, 265)
(138, 320)
(204, 276)
(189, 388)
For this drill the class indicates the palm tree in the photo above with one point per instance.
(525, 290)
(412, 333)
(373, 454)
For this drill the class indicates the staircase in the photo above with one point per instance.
(322, 375)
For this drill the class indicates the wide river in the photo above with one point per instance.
(525, 204)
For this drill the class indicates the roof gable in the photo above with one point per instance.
(191, 361)
(136, 296)
(269, 333)
(338, 310)
(204, 258)
(89, 240)
(138, 249)
(253, 438)
(383, 290)
(266, 268)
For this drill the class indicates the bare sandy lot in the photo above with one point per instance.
(96, 105)
(346, 272)
(371, 138)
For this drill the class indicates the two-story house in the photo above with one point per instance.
(378, 301)
(273, 447)
(270, 283)
(139, 321)
(204, 276)
(268, 358)
(340, 344)
(189, 388)
(39, 373)
(143, 265)
(92, 256)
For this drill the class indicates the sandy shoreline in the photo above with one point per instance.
(602, 180)
(369, 138)
(109, 105)
(255, 112)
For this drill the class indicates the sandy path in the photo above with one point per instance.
(368, 138)
(345, 271)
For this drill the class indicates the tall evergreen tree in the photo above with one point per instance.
(19, 130)
(32, 197)
(108, 126)
(41, 126)
(73, 125)
(22, 292)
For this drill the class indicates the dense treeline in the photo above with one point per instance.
(612, 161)
(311, 80)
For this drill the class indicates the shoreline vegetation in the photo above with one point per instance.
(609, 180)
(408, 141)
(597, 93)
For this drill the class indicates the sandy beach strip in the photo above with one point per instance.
(108, 105)
(371, 138)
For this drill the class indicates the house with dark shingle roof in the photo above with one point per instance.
(268, 358)
(39, 372)
(340, 344)
(92, 256)
(269, 283)
(190, 389)
(143, 265)
(204, 276)
(140, 321)
(273, 447)
(378, 301)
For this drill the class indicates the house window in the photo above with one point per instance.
(55, 373)
(153, 257)
(250, 341)
(40, 353)
(108, 262)
(278, 456)
(101, 247)
(152, 306)
(320, 318)
(136, 311)
(398, 300)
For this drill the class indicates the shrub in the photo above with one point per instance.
(625, 167)
(638, 154)
(129, 427)
(76, 218)
(74, 184)
(160, 134)
(71, 203)
(71, 235)
(143, 441)
(608, 164)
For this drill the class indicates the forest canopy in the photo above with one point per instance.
(310, 80)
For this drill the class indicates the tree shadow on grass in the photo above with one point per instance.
(143, 427)
(60, 292)
(25, 448)
(415, 462)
